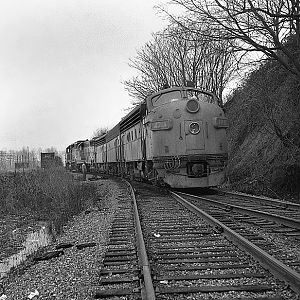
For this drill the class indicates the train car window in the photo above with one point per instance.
(166, 98)
(135, 134)
(128, 136)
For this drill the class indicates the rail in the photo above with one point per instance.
(269, 216)
(280, 203)
(276, 267)
(149, 293)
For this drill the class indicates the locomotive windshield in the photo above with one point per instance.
(166, 98)
(176, 95)
(201, 96)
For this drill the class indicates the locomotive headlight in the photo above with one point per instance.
(192, 106)
(194, 128)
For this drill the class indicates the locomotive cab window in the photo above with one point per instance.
(204, 97)
(166, 98)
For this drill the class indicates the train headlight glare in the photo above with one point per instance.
(192, 106)
(194, 128)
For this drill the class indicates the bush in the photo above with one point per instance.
(51, 195)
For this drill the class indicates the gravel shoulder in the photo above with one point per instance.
(73, 275)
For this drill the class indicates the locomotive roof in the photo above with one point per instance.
(77, 143)
(178, 88)
(82, 142)
(133, 117)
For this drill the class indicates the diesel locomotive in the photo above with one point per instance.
(177, 137)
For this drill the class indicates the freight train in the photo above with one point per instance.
(176, 137)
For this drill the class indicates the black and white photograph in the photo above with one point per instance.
(150, 149)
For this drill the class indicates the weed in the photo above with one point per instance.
(52, 195)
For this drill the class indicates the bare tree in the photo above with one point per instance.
(99, 132)
(177, 55)
(267, 26)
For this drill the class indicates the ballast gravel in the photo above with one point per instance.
(75, 273)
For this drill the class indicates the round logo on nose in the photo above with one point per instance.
(194, 128)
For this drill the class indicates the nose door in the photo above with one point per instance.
(194, 135)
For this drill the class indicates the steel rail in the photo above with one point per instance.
(269, 216)
(280, 203)
(149, 292)
(275, 266)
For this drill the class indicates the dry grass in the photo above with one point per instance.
(52, 195)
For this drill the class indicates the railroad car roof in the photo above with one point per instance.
(97, 141)
(114, 132)
(133, 117)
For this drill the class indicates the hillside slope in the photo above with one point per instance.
(264, 133)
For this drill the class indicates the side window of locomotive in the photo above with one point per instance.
(166, 98)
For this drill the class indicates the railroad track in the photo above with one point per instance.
(175, 252)
(282, 212)
(260, 199)
(266, 232)
(124, 270)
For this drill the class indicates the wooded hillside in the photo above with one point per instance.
(264, 133)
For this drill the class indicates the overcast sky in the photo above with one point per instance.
(61, 67)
